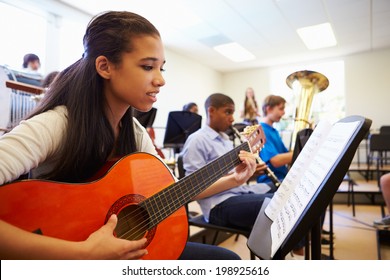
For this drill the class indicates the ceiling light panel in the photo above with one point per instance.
(234, 52)
(317, 36)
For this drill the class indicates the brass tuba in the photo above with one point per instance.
(305, 85)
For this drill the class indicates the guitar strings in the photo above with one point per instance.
(184, 180)
(140, 228)
(143, 227)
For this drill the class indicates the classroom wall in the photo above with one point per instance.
(185, 81)
(367, 90)
(366, 79)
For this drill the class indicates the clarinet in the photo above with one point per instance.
(267, 171)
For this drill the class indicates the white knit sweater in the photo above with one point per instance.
(35, 143)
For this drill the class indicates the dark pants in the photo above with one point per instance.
(238, 211)
(200, 251)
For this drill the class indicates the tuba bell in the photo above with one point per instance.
(305, 84)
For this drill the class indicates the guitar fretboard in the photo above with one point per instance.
(166, 202)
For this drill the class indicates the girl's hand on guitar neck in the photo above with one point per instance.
(102, 244)
(245, 170)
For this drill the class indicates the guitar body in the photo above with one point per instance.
(73, 211)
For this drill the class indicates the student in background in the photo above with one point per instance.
(250, 112)
(46, 82)
(191, 107)
(230, 201)
(29, 74)
(31, 62)
(274, 153)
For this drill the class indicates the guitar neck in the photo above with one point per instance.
(167, 201)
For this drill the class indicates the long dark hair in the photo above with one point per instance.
(250, 108)
(89, 139)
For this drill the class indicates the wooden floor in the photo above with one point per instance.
(355, 237)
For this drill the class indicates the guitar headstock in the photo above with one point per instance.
(254, 134)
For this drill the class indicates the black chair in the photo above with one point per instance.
(197, 220)
(379, 145)
(385, 129)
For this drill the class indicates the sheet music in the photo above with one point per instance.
(314, 163)
(296, 171)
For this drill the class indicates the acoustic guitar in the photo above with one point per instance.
(138, 188)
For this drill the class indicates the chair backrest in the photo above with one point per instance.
(379, 142)
(180, 167)
(385, 129)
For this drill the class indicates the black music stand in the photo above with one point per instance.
(302, 137)
(260, 242)
(146, 119)
(180, 125)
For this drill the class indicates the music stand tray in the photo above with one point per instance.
(180, 125)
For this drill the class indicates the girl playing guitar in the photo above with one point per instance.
(85, 120)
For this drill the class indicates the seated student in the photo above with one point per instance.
(85, 121)
(31, 63)
(385, 187)
(30, 72)
(191, 107)
(230, 201)
(274, 153)
(49, 78)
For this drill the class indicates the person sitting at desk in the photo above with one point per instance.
(191, 107)
(29, 74)
(31, 63)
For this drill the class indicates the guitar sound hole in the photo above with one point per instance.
(133, 223)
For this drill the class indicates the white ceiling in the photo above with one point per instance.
(267, 28)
